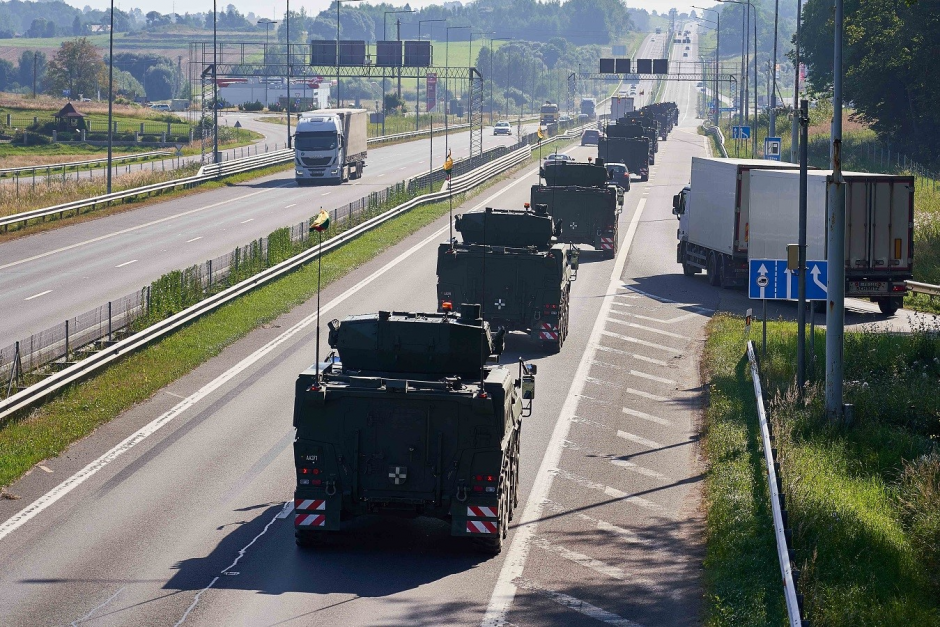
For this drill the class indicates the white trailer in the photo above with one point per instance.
(713, 214)
(879, 218)
(330, 145)
(620, 106)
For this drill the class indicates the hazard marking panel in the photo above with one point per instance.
(548, 332)
(480, 526)
(481, 512)
(309, 520)
(607, 243)
(308, 504)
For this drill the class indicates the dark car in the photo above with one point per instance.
(619, 175)
(590, 137)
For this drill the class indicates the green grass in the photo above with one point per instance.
(48, 430)
(863, 499)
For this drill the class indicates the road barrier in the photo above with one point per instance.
(4, 172)
(923, 288)
(715, 131)
(67, 341)
(781, 529)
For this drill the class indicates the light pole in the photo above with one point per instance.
(287, 24)
(794, 131)
(398, 38)
(385, 20)
(742, 107)
(447, 82)
(215, 86)
(418, 80)
(110, 90)
(717, 48)
(773, 72)
(337, 48)
(267, 27)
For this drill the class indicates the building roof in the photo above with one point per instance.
(68, 111)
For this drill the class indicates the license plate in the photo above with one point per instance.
(867, 286)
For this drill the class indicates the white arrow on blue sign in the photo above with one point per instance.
(740, 132)
(771, 279)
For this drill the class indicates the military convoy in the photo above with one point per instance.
(412, 414)
(408, 418)
(512, 262)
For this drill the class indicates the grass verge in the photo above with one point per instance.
(863, 499)
(51, 428)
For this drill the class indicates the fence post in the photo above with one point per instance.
(209, 265)
(66, 340)
(109, 320)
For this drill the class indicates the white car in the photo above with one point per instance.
(557, 157)
(502, 128)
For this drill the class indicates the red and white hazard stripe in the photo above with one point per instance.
(548, 332)
(308, 504)
(607, 243)
(309, 520)
(481, 512)
(480, 526)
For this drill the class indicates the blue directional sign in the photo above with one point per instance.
(771, 279)
(772, 148)
(740, 132)
(728, 109)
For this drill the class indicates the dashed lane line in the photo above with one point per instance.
(634, 325)
(652, 397)
(616, 461)
(614, 493)
(632, 437)
(581, 559)
(582, 607)
(653, 377)
(37, 295)
(617, 351)
(644, 416)
(627, 338)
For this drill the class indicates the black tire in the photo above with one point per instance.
(712, 270)
(889, 306)
(644, 178)
(309, 539)
(723, 274)
(689, 270)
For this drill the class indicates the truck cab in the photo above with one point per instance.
(329, 146)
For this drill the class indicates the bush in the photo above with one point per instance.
(919, 498)
(251, 106)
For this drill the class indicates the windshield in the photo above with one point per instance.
(316, 140)
(617, 170)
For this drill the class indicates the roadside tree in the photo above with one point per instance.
(76, 68)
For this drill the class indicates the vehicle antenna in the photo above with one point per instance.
(320, 224)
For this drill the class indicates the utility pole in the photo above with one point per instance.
(773, 72)
(35, 60)
(796, 84)
(110, 92)
(287, 25)
(835, 241)
(215, 86)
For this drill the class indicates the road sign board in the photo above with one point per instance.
(771, 279)
(727, 108)
(772, 148)
(740, 132)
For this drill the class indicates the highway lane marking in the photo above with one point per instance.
(653, 377)
(288, 508)
(96, 608)
(634, 325)
(293, 204)
(581, 559)
(632, 437)
(138, 227)
(625, 534)
(126, 263)
(658, 362)
(190, 241)
(627, 338)
(639, 414)
(620, 495)
(505, 590)
(652, 319)
(245, 221)
(37, 295)
(572, 603)
(616, 461)
(326, 193)
(45, 469)
(652, 397)
(52, 496)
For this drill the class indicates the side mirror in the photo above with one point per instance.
(675, 204)
(573, 256)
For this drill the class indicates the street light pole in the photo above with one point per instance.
(398, 38)
(110, 90)
(418, 80)
(717, 47)
(267, 28)
(742, 103)
(794, 131)
(773, 73)
(215, 86)
(337, 48)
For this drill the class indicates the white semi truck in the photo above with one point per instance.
(330, 146)
(620, 106)
(740, 209)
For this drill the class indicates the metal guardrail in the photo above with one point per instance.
(791, 597)
(923, 288)
(73, 373)
(715, 131)
(75, 164)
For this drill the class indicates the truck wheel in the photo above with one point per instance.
(644, 178)
(712, 270)
(309, 539)
(722, 274)
(889, 306)
(689, 270)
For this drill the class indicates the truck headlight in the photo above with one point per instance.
(299, 171)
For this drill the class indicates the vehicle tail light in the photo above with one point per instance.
(898, 288)
(447, 305)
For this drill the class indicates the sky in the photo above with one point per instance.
(266, 8)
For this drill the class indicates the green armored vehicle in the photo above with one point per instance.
(511, 262)
(408, 418)
(580, 196)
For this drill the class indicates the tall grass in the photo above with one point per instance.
(863, 498)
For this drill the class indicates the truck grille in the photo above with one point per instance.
(314, 161)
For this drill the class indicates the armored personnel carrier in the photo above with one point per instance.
(407, 418)
(580, 196)
(633, 151)
(510, 261)
(634, 127)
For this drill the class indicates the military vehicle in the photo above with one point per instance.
(406, 418)
(643, 127)
(633, 151)
(580, 196)
(510, 261)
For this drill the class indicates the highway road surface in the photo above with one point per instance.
(179, 511)
(48, 277)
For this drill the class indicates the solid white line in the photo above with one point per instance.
(326, 193)
(627, 338)
(137, 228)
(645, 416)
(288, 508)
(247, 221)
(582, 607)
(190, 241)
(291, 205)
(39, 505)
(639, 440)
(652, 377)
(505, 590)
(652, 397)
(126, 263)
(37, 295)
(634, 325)
(95, 609)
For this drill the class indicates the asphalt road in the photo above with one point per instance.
(174, 512)
(48, 277)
